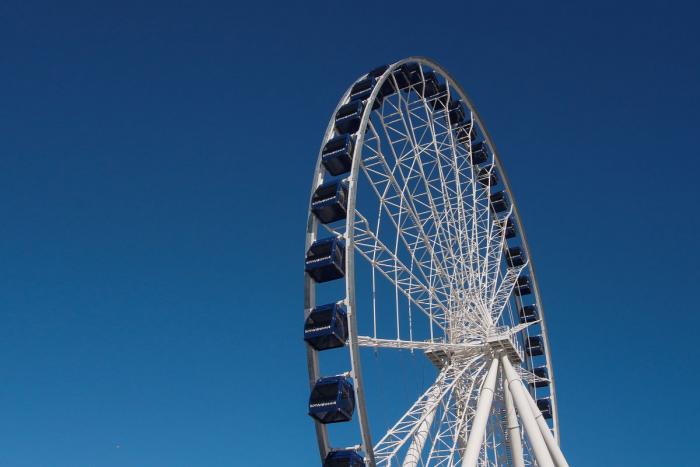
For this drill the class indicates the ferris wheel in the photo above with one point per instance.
(425, 331)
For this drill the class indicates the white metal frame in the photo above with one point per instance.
(447, 261)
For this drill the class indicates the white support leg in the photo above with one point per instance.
(516, 444)
(552, 445)
(483, 408)
(515, 385)
(413, 455)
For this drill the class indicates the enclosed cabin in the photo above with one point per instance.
(479, 153)
(336, 155)
(488, 176)
(545, 406)
(456, 113)
(388, 86)
(515, 257)
(542, 375)
(499, 202)
(348, 117)
(528, 314)
(344, 458)
(466, 132)
(326, 327)
(534, 346)
(330, 201)
(325, 259)
(509, 228)
(523, 286)
(407, 75)
(437, 99)
(425, 84)
(332, 400)
(363, 89)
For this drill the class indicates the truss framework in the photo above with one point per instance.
(422, 221)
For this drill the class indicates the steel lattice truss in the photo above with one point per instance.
(435, 253)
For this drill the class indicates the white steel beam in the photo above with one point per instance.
(413, 456)
(515, 385)
(483, 408)
(463, 349)
(516, 444)
(554, 449)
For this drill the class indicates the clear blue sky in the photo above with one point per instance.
(155, 163)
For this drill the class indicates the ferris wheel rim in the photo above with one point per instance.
(312, 227)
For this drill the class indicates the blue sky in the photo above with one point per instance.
(155, 163)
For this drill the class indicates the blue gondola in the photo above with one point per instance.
(425, 85)
(528, 314)
(534, 346)
(336, 156)
(456, 111)
(541, 372)
(344, 458)
(326, 327)
(479, 153)
(438, 97)
(510, 228)
(332, 400)
(363, 89)
(348, 117)
(388, 86)
(325, 260)
(545, 406)
(415, 74)
(488, 176)
(466, 132)
(499, 201)
(515, 257)
(330, 200)
(404, 73)
(523, 286)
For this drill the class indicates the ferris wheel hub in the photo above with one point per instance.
(497, 344)
(504, 343)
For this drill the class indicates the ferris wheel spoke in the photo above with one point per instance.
(413, 239)
(476, 220)
(419, 156)
(453, 178)
(448, 434)
(396, 272)
(423, 410)
(488, 239)
(427, 346)
(505, 289)
(481, 223)
(494, 253)
(466, 414)
(529, 377)
(396, 437)
(418, 133)
(456, 158)
(450, 185)
(494, 234)
(400, 206)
